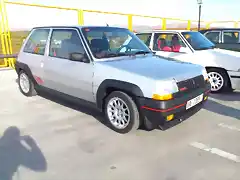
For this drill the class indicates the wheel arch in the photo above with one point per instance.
(222, 69)
(24, 67)
(110, 85)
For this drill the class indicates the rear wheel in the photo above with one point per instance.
(26, 85)
(121, 112)
(219, 80)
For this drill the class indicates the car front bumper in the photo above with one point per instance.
(235, 79)
(157, 111)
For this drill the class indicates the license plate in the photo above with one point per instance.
(194, 101)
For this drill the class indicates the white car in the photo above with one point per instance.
(223, 66)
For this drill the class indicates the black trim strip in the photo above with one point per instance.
(235, 76)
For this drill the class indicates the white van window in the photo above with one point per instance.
(64, 42)
(37, 41)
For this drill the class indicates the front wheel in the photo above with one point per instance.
(219, 80)
(121, 112)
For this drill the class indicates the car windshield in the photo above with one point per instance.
(198, 41)
(108, 42)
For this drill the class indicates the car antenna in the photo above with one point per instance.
(107, 25)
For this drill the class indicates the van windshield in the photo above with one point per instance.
(198, 41)
(108, 42)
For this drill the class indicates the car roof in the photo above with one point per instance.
(219, 29)
(170, 30)
(74, 26)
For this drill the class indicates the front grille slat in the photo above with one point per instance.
(191, 84)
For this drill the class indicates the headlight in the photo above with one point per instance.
(164, 90)
(205, 74)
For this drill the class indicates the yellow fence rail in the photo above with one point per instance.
(163, 23)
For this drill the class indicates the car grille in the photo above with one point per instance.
(190, 84)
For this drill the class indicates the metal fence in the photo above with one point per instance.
(10, 42)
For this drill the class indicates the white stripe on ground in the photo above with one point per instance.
(229, 127)
(216, 151)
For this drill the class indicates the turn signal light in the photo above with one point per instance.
(170, 117)
(205, 98)
(162, 97)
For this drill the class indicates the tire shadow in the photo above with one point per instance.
(233, 96)
(221, 109)
(75, 104)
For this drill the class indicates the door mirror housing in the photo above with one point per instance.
(80, 57)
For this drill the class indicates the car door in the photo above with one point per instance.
(230, 40)
(33, 53)
(163, 46)
(64, 74)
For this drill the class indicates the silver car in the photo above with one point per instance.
(114, 70)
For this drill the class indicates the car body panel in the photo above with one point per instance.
(145, 71)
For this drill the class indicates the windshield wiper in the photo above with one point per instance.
(142, 52)
(205, 48)
(116, 54)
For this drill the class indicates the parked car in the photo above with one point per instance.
(223, 66)
(224, 38)
(115, 71)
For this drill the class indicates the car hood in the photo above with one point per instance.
(230, 60)
(155, 67)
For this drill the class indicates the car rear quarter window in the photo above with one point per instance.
(36, 43)
(64, 42)
(145, 37)
(213, 36)
(230, 37)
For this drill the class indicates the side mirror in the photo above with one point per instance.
(78, 57)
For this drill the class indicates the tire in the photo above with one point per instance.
(130, 108)
(28, 89)
(219, 80)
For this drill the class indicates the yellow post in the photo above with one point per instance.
(80, 17)
(8, 36)
(208, 25)
(236, 24)
(2, 35)
(130, 22)
(189, 25)
(164, 24)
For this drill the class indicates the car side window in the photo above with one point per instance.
(37, 41)
(65, 42)
(213, 36)
(170, 42)
(145, 37)
(230, 37)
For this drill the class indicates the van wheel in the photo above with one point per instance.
(219, 80)
(26, 85)
(121, 112)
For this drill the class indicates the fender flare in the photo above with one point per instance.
(128, 87)
(22, 66)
